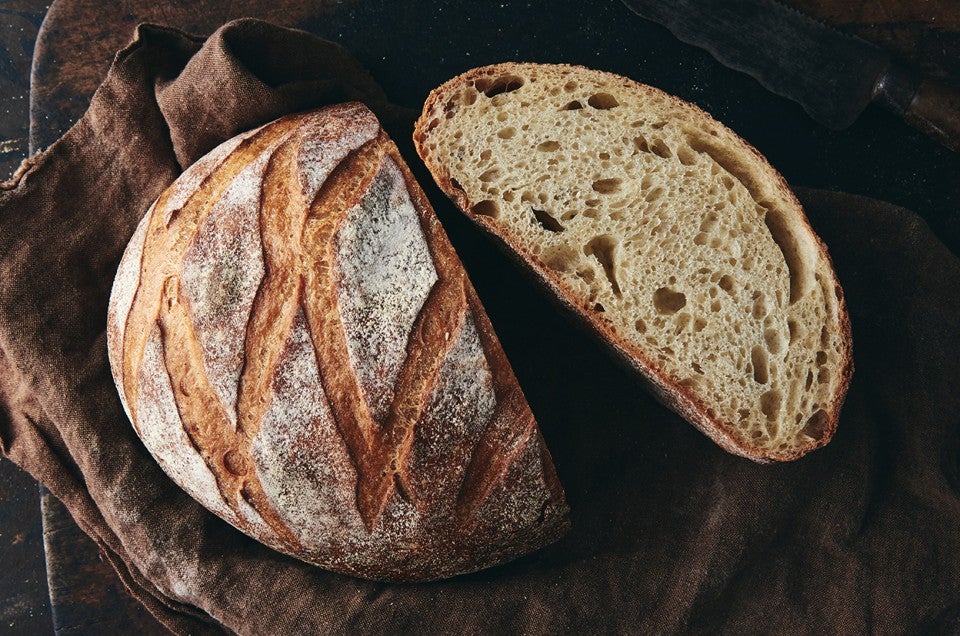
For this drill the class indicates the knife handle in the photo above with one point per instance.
(931, 107)
(935, 111)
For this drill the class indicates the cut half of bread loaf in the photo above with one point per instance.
(665, 232)
(297, 344)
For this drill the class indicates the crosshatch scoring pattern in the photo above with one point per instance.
(300, 349)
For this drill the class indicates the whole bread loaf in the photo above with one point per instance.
(298, 346)
(665, 233)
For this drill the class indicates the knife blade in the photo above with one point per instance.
(834, 76)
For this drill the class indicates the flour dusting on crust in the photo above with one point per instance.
(462, 404)
(221, 273)
(386, 273)
(188, 182)
(161, 430)
(300, 458)
(327, 142)
(121, 299)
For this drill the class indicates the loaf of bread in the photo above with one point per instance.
(298, 346)
(665, 233)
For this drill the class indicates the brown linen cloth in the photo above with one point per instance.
(670, 533)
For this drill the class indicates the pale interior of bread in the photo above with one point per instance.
(648, 212)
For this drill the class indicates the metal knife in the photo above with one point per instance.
(832, 75)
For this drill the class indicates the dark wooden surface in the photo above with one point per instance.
(24, 603)
(19, 22)
(78, 40)
(86, 596)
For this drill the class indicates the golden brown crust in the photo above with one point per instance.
(670, 392)
(289, 427)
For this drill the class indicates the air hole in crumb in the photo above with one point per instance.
(668, 301)
(603, 101)
(607, 186)
(794, 330)
(603, 155)
(548, 146)
(574, 105)
(640, 326)
(503, 84)
(641, 143)
(816, 426)
(586, 275)
(603, 248)
(485, 155)
(686, 156)
(661, 149)
(774, 340)
(699, 324)
(570, 86)
(507, 133)
(562, 258)
(823, 375)
(546, 221)
(821, 358)
(770, 404)
(468, 96)
(598, 307)
(696, 367)
(654, 194)
(760, 309)
(486, 207)
(783, 236)
(809, 382)
(726, 283)
(700, 239)
(683, 321)
(490, 175)
(758, 357)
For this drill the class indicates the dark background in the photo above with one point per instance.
(878, 156)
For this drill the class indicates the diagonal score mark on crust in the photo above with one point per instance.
(282, 216)
(224, 449)
(164, 247)
(435, 331)
(346, 183)
(342, 189)
(499, 445)
(378, 450)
